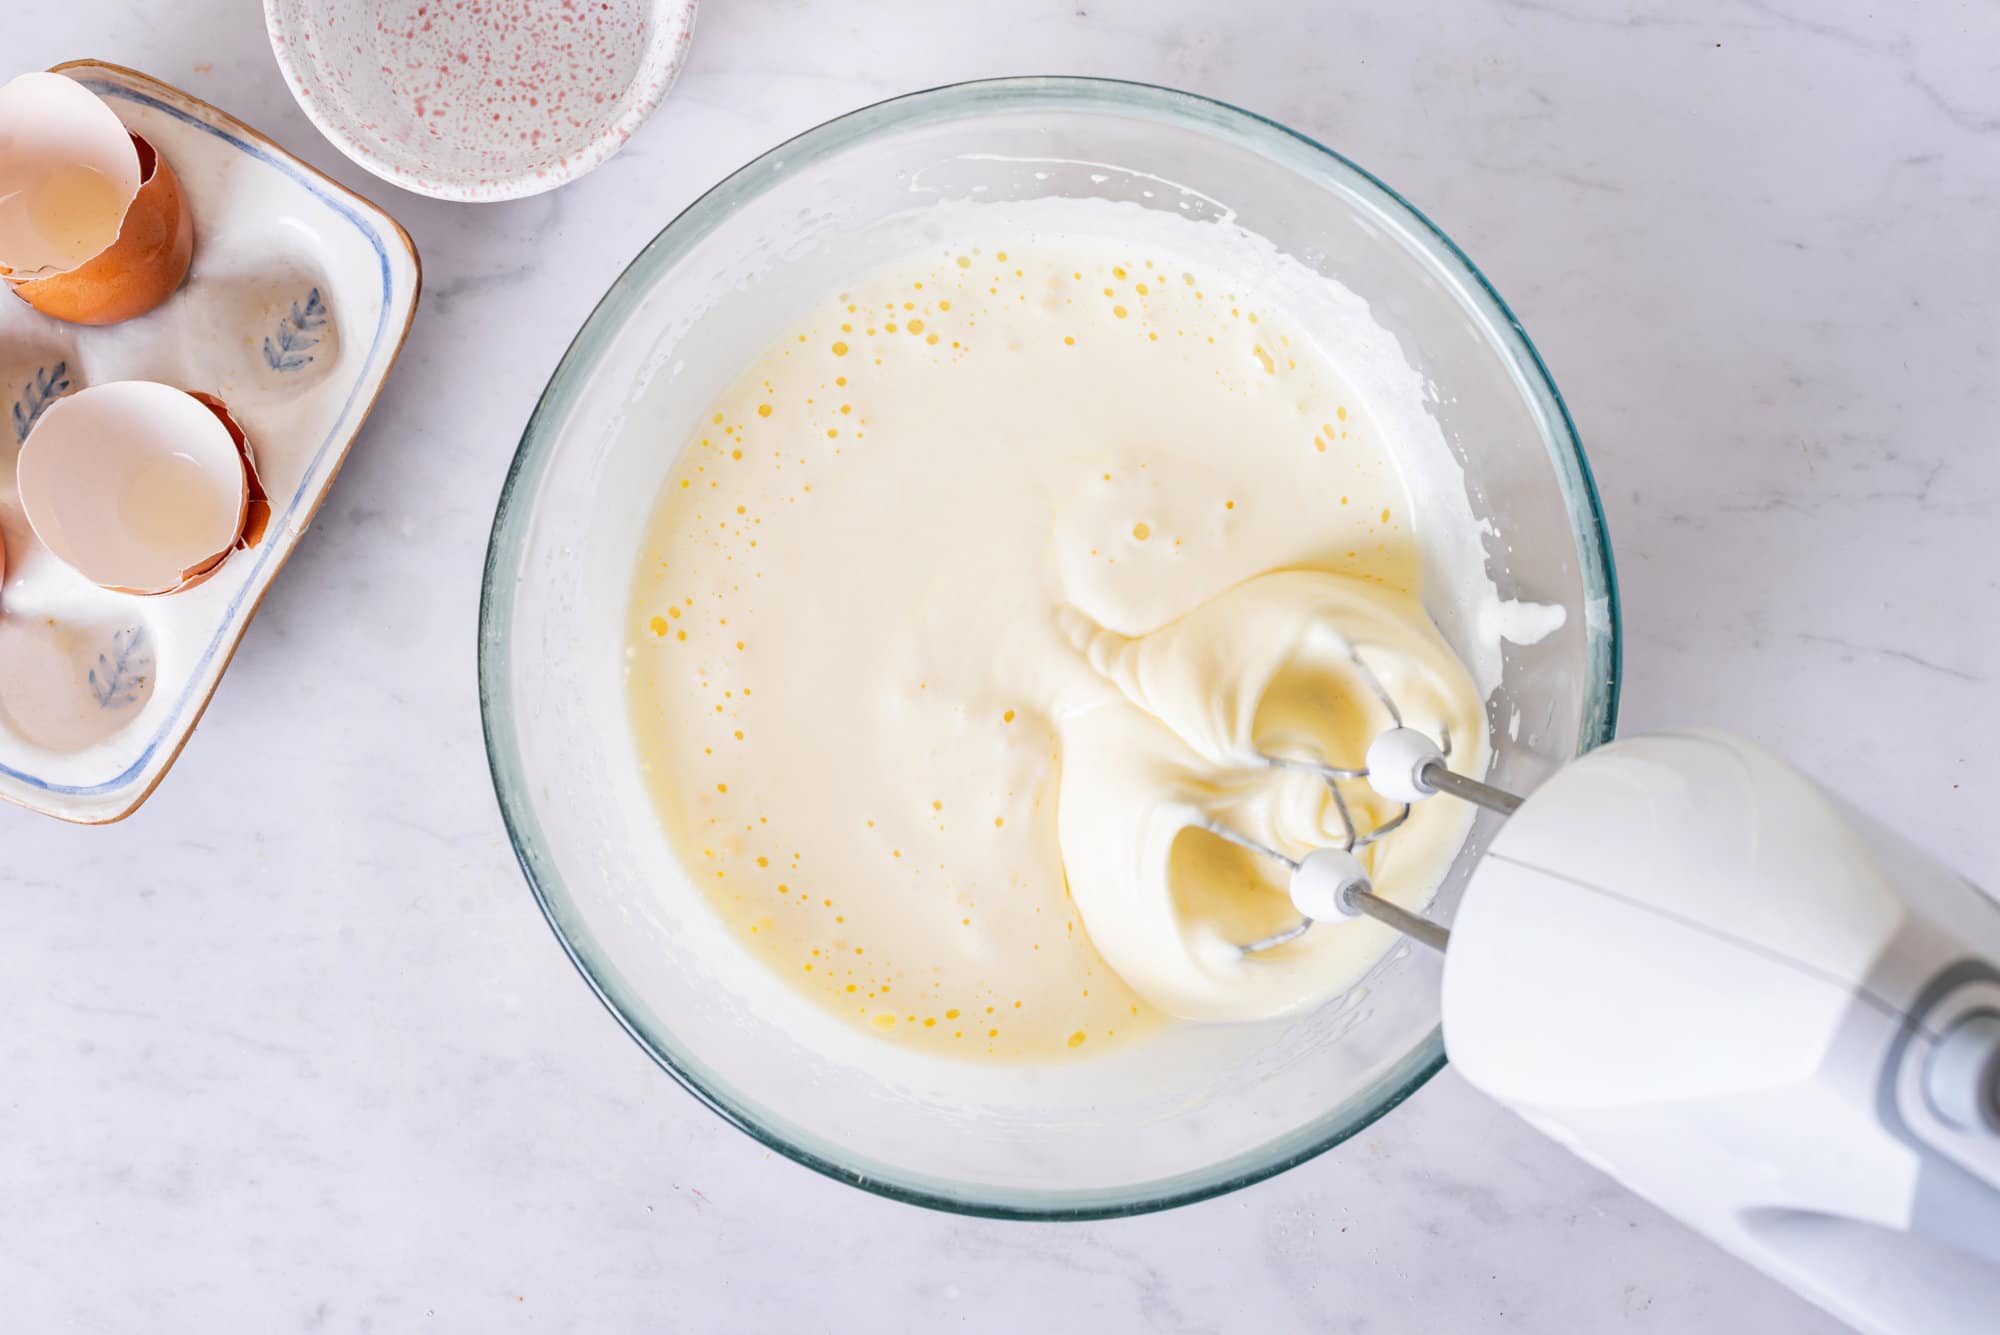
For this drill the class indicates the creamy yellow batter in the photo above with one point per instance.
(978, 591)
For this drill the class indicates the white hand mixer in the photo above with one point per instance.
(1742, 998)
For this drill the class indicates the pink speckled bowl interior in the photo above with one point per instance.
(479, 99)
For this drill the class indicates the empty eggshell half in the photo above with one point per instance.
(94, 227)
(140, 487)
(68, 172)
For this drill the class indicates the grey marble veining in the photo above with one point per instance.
(291, 1050)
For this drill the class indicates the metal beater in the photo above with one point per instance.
(1402, 765)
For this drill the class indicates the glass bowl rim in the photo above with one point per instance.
(514, 512)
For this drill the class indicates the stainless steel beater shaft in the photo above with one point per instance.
(1331, 882)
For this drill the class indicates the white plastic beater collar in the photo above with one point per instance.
(1396, 764)
(1323, 882)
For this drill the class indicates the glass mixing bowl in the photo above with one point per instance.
(1200, 1109)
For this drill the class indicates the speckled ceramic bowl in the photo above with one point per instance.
(461, 99)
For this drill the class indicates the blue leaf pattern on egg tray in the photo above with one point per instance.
(297, 332)
(50, 383)
(120, 675)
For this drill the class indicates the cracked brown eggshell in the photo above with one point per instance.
(141, 487)
(94, 225)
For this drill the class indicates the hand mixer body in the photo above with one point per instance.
(1756, 1007)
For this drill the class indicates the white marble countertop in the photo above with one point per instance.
(292, 1049)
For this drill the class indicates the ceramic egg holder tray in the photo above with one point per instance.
(294, 310)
